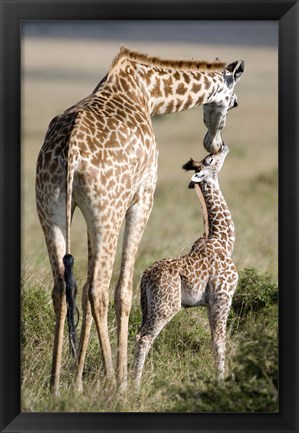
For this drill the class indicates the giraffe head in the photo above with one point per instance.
(208, 168)
(215, 112)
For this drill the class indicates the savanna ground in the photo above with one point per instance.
(179, 373)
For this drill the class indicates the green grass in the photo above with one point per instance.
(179, 373)
(252, 381)
(252, 386)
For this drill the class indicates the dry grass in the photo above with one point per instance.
(55, 77)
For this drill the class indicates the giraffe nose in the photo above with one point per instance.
(224, 148)
(235, 104)
(212, 143)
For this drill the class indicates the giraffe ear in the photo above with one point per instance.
(236, 68)
(198, 176)
(190, 165)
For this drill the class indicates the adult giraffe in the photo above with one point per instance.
(100, 155)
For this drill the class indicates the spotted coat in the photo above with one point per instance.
(100, 155)
(206, 276)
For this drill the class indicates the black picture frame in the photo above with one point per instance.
(286, 12)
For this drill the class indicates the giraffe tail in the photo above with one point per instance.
(71, 292)
(68, 259)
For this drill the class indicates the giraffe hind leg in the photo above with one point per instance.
(143, 303)
(145, 339)
(86, 327)
(136, 218)
(60, 308)
(143, 345)
(159, 313)
(56, 247)
(103, 226)
(84, 338)
(98, 289)
(52, 216)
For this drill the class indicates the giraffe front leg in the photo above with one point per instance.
(218, 314)
(136, 219)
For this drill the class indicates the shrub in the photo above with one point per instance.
(254, 293)
(253, 386)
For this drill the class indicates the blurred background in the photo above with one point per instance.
(63, 61)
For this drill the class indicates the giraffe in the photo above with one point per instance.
(206, 276)
(100, 156)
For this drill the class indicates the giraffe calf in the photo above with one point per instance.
(206, 276)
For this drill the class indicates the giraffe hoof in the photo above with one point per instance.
(137, 386)
(55, 393)
(122, 387)
(78, 387)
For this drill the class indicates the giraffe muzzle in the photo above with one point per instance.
(212, 143)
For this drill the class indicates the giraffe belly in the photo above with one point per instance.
(194, 297)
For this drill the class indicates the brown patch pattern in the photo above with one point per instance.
(205, 276)
(100, 155)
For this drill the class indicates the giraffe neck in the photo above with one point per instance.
(220, 223)
(171, 91)
(165, 89)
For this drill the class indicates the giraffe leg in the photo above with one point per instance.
(56, 248)
(144, 341)
(103, 218)
(218, 314)
(136, 219)
(59, 303)
(157, 312)
(146, 337)
(84, 338)
(143, 345)
(52, 218)
(103, 258)
(85, 329)
(51, 209)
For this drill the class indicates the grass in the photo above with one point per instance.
(252, 386)
(179, 373)
(252, 382)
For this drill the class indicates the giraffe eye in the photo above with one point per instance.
(208, 160)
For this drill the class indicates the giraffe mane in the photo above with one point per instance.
(182, 65)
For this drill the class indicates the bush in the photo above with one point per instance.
(254, 293)
(253, 383)
(253, 386)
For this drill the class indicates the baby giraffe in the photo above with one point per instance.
(205, 276)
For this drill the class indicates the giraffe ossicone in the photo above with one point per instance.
(100, 156)
(206, 276)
